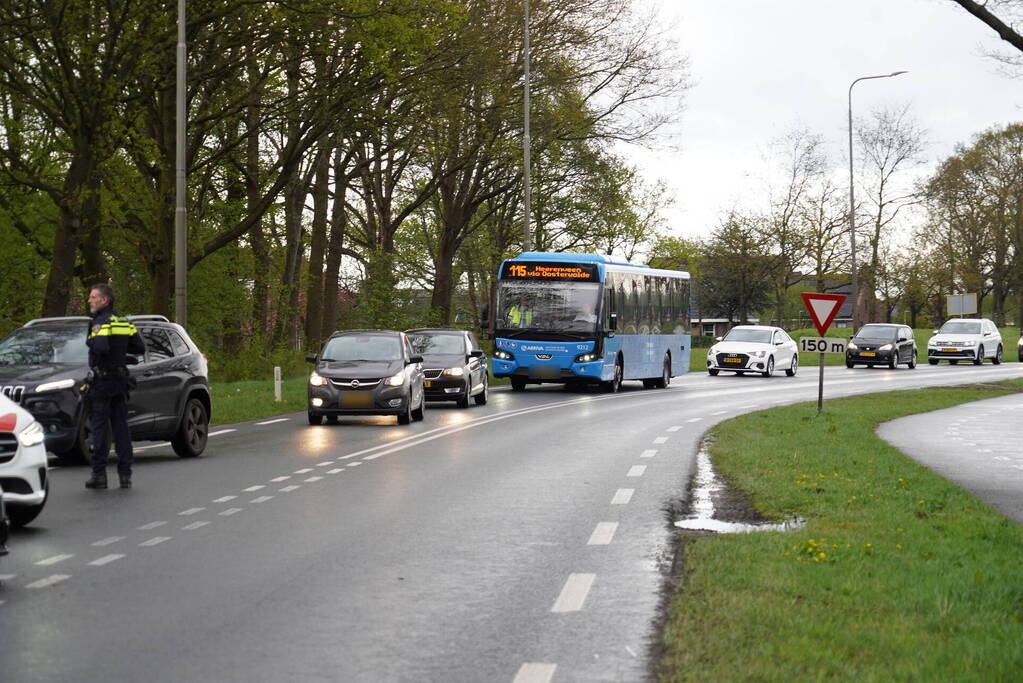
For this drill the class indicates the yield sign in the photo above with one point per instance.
(823, 308)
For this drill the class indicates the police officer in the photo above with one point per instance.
(111, 338)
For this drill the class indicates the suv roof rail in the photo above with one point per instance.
(158, 318)
(63, 318)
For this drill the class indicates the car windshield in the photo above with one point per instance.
(876, 332)
(554, 306)
(739, 334)
(960, 327)
(45, 344)
(425, 344)
(362, 347)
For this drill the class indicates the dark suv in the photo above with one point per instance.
(44, 365)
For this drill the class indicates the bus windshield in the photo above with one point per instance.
(548, 306)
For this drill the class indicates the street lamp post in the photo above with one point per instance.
(181, 186)
(852, 204)
(527, 240)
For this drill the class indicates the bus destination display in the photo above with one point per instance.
(584, 272)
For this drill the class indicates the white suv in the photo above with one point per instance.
(23, 470)
(969, 339)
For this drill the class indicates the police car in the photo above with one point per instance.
(23, 469)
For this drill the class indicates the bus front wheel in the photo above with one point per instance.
(615, 385)
(518, 383)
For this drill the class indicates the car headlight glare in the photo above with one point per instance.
(55, 386)
(32, 434)
(969, 343)
(455, 372)
(503, 355)
(757, 354)
(316, 381)
(852, 345)
(886, 347)
(587, 357)
(395, 380)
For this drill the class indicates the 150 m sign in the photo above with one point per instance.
(822, 345)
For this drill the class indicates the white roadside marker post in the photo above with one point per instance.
(277, 383)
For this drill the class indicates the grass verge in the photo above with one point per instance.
(898, 574)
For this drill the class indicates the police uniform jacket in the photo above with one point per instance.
(111, 339)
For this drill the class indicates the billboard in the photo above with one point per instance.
(961, 304)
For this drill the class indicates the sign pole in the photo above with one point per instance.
(820, 386)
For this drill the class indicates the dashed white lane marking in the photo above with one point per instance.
(108, 541)
(8, 577)
(53, 560)
(694, 419)
(354, 464)
(270, 422)
(603, 534)
(292, 487)
(278, 480)
(720, 412)
(261, 499)
(648, 453)
(254, 488)
(224, 499)
(661, 439)
(574, 593)
(48, 581)
(194, 525)
(303, 470)
(622, 496)
(325, 463)
(230, 511)
(150, 526)
(190, 511)
(636, 471)
(155, 540)
(673, 429)
(336, 470)
(312, 479)
(535, 672)
(221, 431)
(106, 559)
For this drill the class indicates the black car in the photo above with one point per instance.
(366, 372)
(882, 344)
(454, 365)
(44, 365)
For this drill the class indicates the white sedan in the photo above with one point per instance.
(23, 470)
(754, 348)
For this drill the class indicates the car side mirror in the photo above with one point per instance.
(902, 339)
(311, 358)
(131, 359)
(476, 354)
(717, 338)
(414, 359)
(935, 331)
(778, 343)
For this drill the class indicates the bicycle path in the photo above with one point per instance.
(977, 445)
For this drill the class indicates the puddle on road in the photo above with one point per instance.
(703, 519)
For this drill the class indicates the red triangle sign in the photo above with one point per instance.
(823, 308)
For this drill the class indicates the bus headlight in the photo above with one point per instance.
(503, 355)
(454, 372)
(587, 357)
(316, 381)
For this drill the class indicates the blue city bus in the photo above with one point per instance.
(589, 318)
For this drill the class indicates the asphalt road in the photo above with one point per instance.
(525, 540)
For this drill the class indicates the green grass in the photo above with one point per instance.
(897, 575)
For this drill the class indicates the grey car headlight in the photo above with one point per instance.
(395, 380)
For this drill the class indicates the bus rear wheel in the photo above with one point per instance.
(664, 380)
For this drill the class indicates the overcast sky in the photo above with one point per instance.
(759, 68)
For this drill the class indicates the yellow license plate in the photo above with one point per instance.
(734, 360)
(357, 400)
(427, 384)
(868, 354)
(949, 350)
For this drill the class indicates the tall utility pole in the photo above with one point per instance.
(852, 207)
(527, 237)
(181, 189)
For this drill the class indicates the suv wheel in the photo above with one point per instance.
(481, 398)
(190, 439)
(80, 452)
(912, 359)
(997, 360)
(419, 413)
(979, 360)
(463, 401)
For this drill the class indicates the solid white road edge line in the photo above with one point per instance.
(270, 422)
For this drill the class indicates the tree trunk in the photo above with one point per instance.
(318, 245)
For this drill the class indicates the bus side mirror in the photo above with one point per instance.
(612, 322)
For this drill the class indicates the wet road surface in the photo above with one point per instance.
(523, 540)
